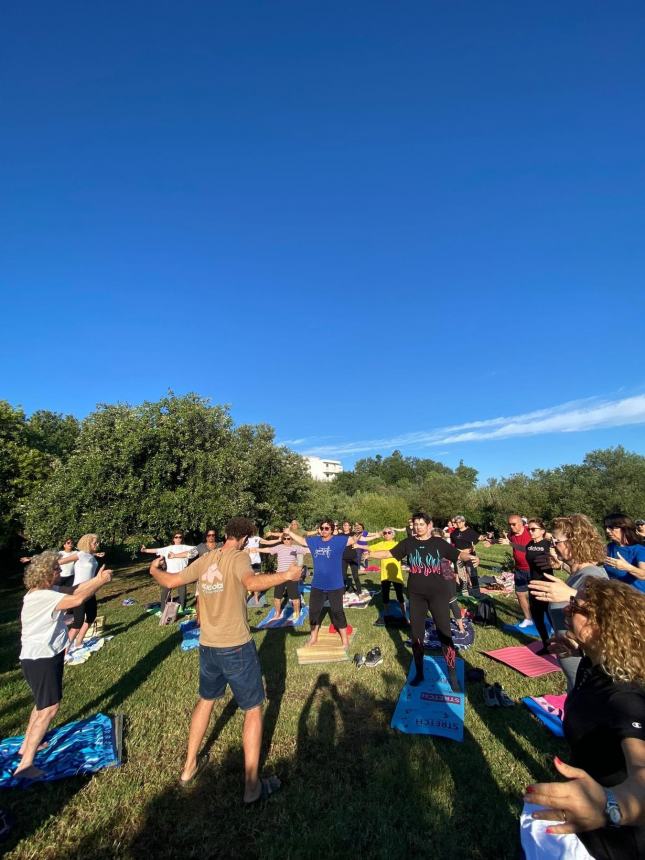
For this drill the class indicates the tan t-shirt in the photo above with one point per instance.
(222, 597)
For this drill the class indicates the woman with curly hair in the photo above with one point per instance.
(604, 723)
(625, 555)
(578, 545)
(43, 642)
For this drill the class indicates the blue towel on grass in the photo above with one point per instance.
(286, 620)
(84, 746)
(432, 708)
(189, 635)
(530, 631)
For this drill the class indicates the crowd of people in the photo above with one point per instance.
(595, 608)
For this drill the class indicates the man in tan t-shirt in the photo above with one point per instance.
(227, 654)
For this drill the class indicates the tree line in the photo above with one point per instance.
(134, 473)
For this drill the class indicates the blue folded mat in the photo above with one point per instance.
(432, 708)
(84, 746)
(286, 620)
(189, 635)
(531, 630)
(552, 721)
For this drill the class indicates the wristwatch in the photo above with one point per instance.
(612, 810)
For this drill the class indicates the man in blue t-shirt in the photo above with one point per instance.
(326, 550)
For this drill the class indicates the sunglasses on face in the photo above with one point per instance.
(535, 529)
(559, 540)
(325, 528)
(178, 537)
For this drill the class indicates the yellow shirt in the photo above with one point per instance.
(390, 567)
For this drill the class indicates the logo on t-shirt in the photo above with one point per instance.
(208, 583)
(637, 725)
(322, 551)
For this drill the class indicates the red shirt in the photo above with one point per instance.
(519, 555)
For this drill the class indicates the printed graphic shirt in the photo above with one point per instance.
(222, 597)
(328, 561)
(536, 552)
(424, 560)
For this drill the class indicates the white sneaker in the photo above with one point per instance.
(526, 623)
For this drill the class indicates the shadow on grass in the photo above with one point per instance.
(351, 787)
(110, 700)
(32, 807)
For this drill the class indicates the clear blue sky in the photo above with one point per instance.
(291, 207)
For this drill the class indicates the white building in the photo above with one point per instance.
(323, 470)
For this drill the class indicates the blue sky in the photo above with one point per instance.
(363, 223)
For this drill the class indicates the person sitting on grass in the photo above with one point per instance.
(604, 724)
(43, 643)
(227, 654)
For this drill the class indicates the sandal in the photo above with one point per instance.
(268, 786)
(202, 761)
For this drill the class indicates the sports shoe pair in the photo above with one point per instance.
(496, 696)
(371, 659)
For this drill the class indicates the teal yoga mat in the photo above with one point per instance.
(432, 708)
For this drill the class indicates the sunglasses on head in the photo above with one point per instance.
(576, 606)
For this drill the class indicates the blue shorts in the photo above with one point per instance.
(521, 578)
(239, 667)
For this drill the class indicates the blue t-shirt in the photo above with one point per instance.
(328, 561)
(633, 554)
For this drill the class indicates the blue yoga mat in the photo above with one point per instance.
(286, 620)
(432, 708)
(553, 722)
(252, 605)
(84, 746)
(189, 635)
(530, 631)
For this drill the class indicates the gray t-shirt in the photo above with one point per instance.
(556, 610)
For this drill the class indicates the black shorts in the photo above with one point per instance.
(45, 679)
(292, 589)
(66, 581)
(85, 612)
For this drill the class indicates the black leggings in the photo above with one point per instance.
(385, 590)
(317, 601)
(85, 612)
(540, 611)
(435, 598)
(455, 611)
(352, 567)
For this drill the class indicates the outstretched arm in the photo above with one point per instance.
(296, 538)
(264, 581)
(86, 590)
(172, 580)
(148, 551)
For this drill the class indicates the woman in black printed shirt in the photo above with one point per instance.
(538, 556)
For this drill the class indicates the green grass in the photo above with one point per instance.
(350, 783)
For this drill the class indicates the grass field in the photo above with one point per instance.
(350, 783)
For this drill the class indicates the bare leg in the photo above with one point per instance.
(296, 609)
(344, 638)
(277, 605)
(36, 732)
(313, 635)
(198, 725)
(523, 600)
(252, 741)
(32, 719)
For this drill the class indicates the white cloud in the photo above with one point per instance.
(572, 417)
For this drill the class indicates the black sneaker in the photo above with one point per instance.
(373, 658)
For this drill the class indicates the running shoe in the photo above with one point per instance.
(490, 698)
(373, 658)
(502, 696)
(359, 661)
(525, 623)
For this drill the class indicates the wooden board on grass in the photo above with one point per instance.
(328, 649)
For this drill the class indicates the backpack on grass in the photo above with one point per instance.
(485, 614)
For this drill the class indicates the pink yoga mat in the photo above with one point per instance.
(523, 659)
